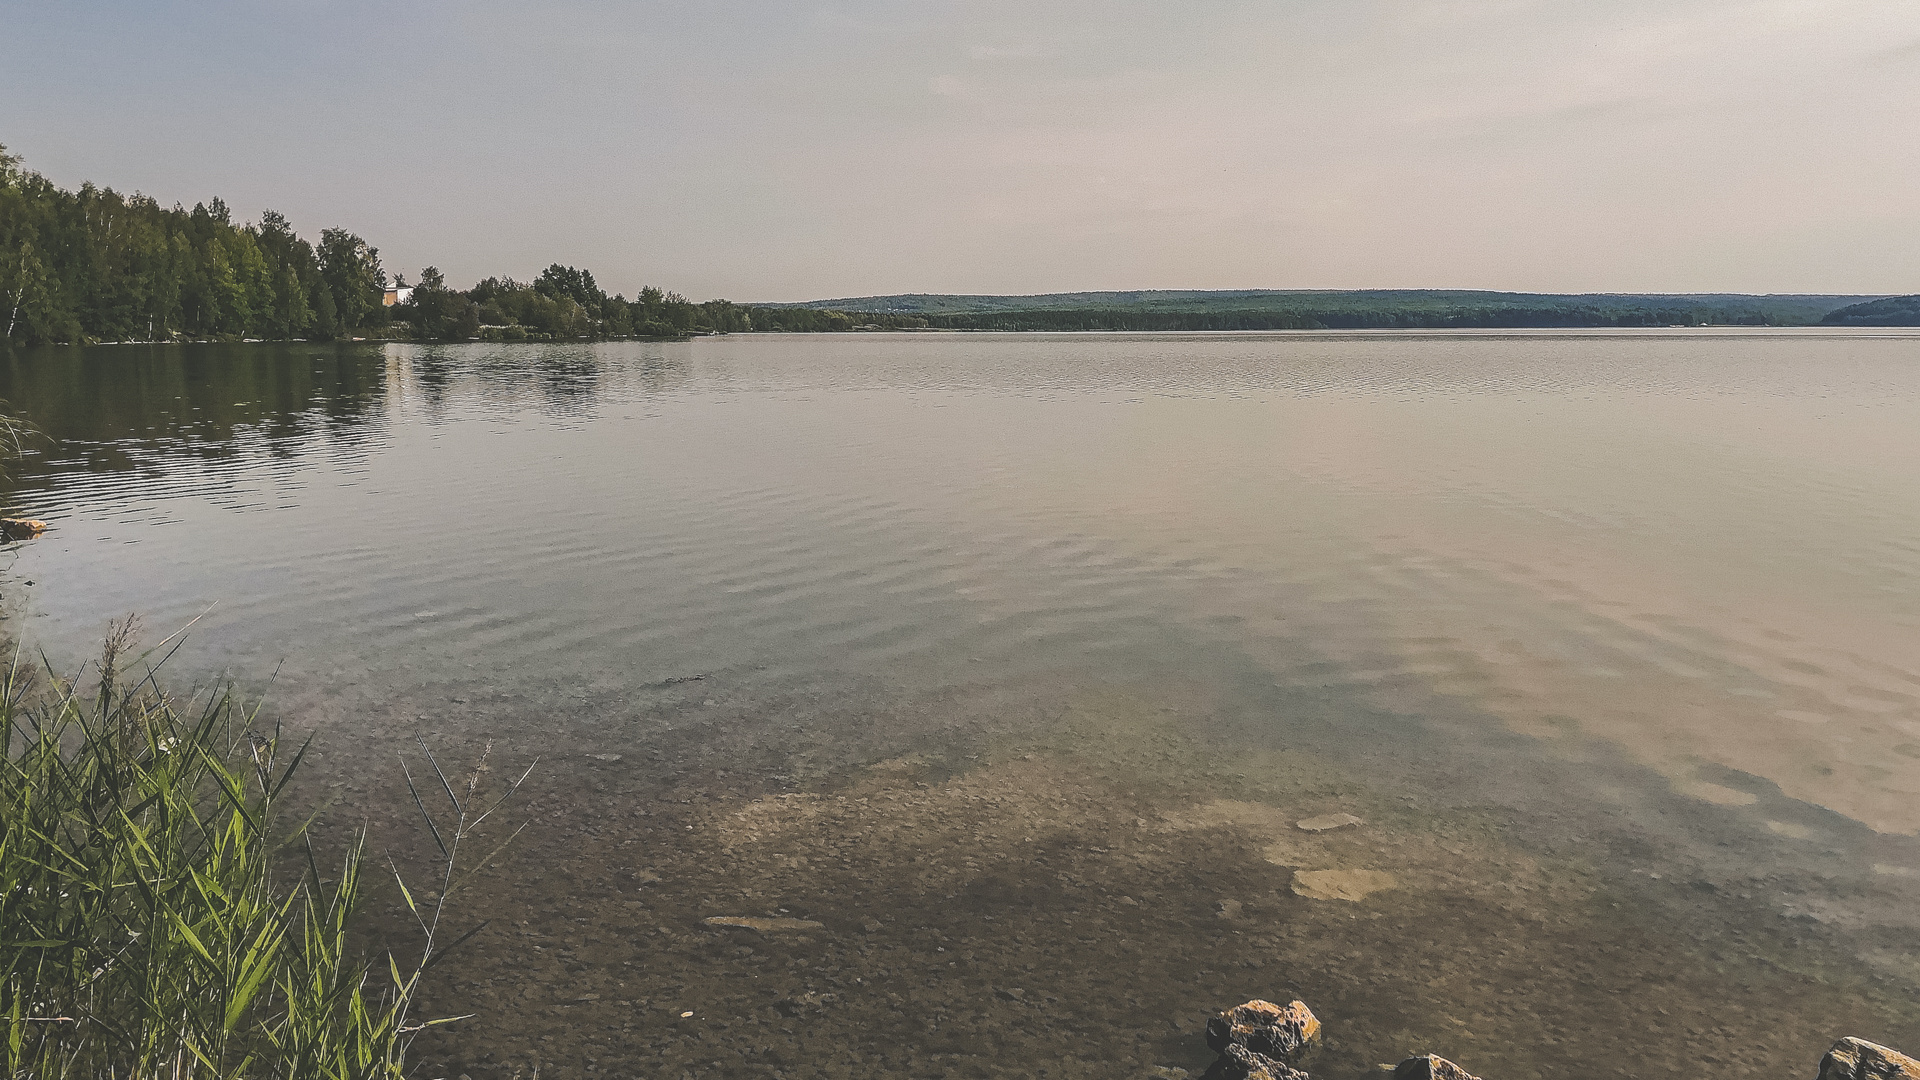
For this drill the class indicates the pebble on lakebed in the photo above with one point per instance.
(1326, 822)
(763, 925)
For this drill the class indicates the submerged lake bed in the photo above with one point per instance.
(1000, 672)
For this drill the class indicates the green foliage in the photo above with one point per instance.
(557, 281)
(95, 264)
(143, 930)
(326, 315)
(437, 313)
(564, 304)
(351, 271)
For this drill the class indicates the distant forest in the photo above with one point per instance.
(1334, 310)
(94, 265)
(1892, 311)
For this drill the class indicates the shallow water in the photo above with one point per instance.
(1023, 654)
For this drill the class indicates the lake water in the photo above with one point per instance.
(1013, 660)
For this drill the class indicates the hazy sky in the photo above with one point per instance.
(766, 151)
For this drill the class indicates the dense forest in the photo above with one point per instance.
(96, 265)
(1891, 311)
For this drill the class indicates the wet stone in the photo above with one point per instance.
(1430, 1067)
(1240, 1063)
(1275, 1031)
(1858, 1059)
(12, 529)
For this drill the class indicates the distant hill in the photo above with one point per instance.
(1891, 311)
(1318, 309)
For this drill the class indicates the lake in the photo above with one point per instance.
(1009, 664)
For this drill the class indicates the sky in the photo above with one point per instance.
(767, 151)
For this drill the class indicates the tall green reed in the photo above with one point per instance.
(146, 931)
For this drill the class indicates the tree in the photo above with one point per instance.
(28, 276)
(293, 313)
(326, 317)
(440, 313)
(352, 271)
(467, 326)
(274, 224)
(228, 308)
(557, 281)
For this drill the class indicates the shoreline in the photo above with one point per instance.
(1718, 330)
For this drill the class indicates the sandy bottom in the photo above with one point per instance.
(1075, 901)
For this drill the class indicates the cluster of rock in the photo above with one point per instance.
(1263, 1041)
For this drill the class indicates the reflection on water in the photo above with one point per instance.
(1023, 654)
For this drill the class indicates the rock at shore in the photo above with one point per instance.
(21, 528)
(1271, 1030)
(1261, 1041)
(1430, 1067)
(1240, 1063)
(1858, 1059)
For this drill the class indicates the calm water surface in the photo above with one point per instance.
(1021, 655)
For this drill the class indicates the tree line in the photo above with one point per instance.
(1332, 318)
(562, 304)
(96, 265)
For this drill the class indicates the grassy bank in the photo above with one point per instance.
(163, 915)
